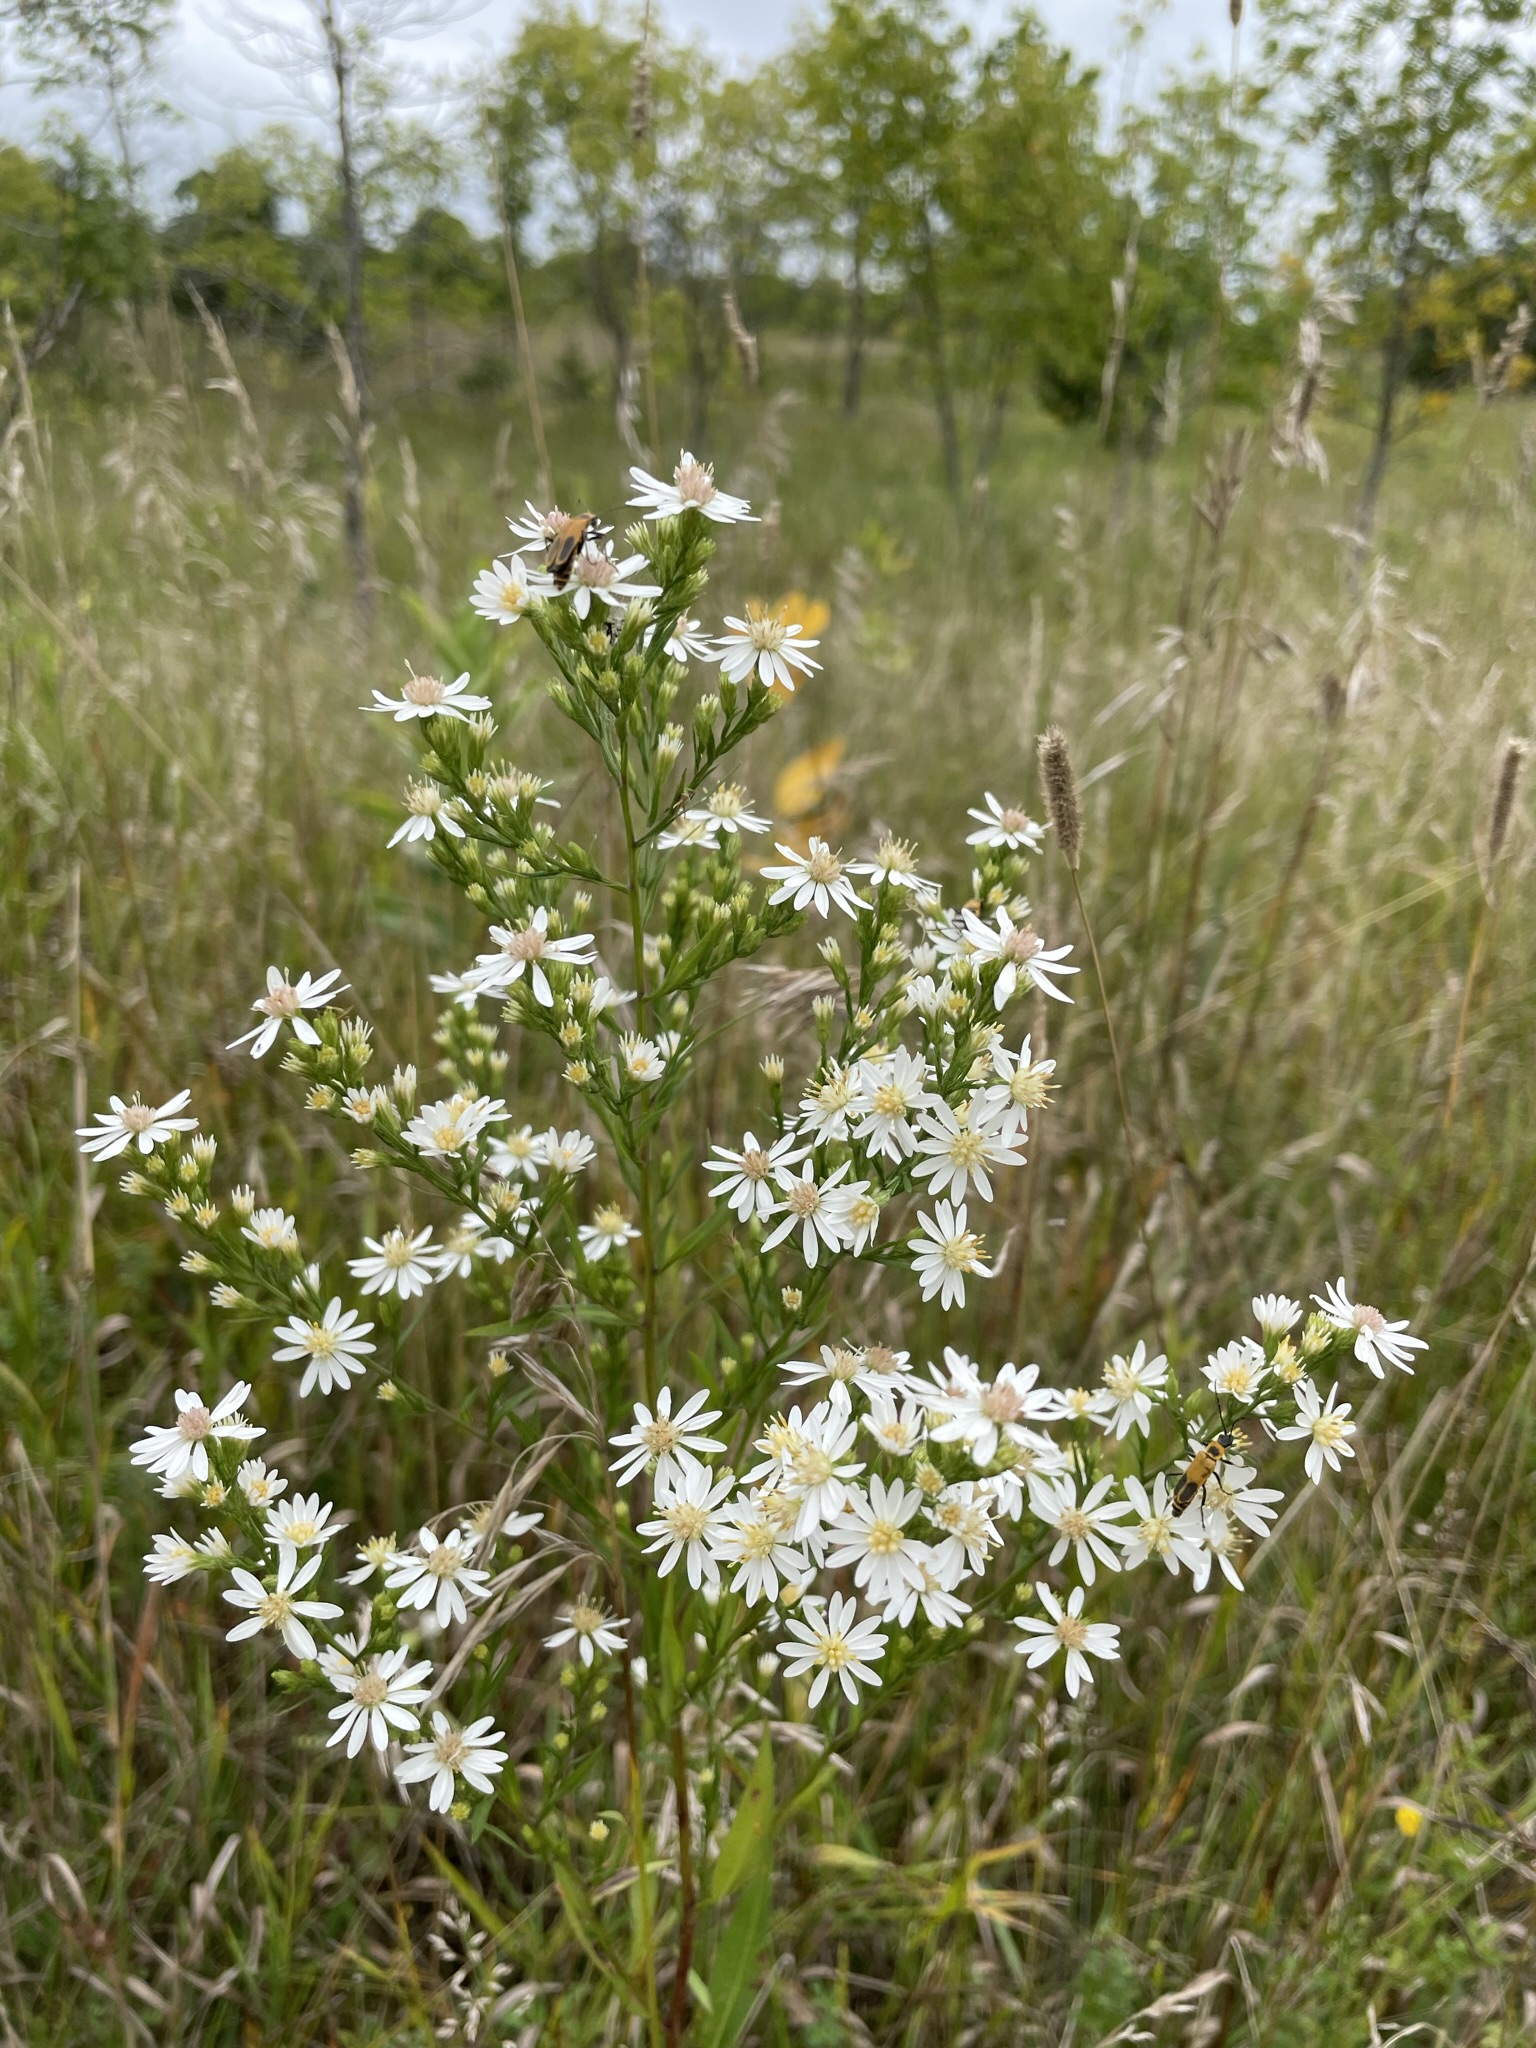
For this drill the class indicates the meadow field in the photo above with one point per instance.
(1300, 1813)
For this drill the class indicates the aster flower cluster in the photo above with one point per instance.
(815, 1516)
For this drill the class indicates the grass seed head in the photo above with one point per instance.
(1504, 798)
(1058, 785)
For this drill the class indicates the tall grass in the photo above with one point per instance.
(1301, 1816)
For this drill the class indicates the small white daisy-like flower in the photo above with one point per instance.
(516, 1155)
(1154, 1530)
(748, 1177)
(279, 1606)
(691, 830)
(1323, 1426)
(528, 949)
(1275, 1313)
(692, 489)
(535, 529)
(828, 1638)
(285, 1003)
(941, 1608)
(824, 1107)
(1232, 1492)
(372, 1557)
(756, 1542)
(807, 1205)
(963, 1516)
(891, 1091)
(1378, 1343)
(399, 1263)
(470, 1239)
(955, 1147)
(302, 1523)
(182, 1447)
(591, 1627)
(596, 575)
(1237, 1371)
(430, 697)
(688, 641)
(503, 591)
(641, 1060)
(259, 1483)
(666, 1439)
(898, 1431)
(452, 1129)
(172, 1559)
(609, 1231)
(474, 1754)
(272, 1230)
(335, 1348)
(1131, 1383)
(1020, 1083)
(437, 1573)
(856, 1207)
(875, 1369)
(767, 643)
(814, 1467)
(134, 1123)
(894, 866)
(1221, 1542)
(1087, 1527)
(687, 1522)
(814, 879)
(872, 1534)
(1066, 1630)
(982, 1414)
(1004, 825)
(566, 1152)
(727, 809)
(379, 1696)
(1021, 950)
(945, 1254)
(428, 812)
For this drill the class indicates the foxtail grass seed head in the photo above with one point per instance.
(1058, 786)
(1504, 798)
(871, 1491)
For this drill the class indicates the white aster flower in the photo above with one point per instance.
(302, 1523)
(470, 1239)
(430, 697)
(335, 1348)
(827, 1638)
(728, 810)
(963, 1515)
(1231, 1491)
(502, 592)
(872, 1535)
(1131, 1383)
(688, 641)
(895, 866)
(438, 1572)
(452, 1129)
(816, 878)
(1221, 1541)
(898, 1431)
(427, 812)
(747, 1176)
(1378, 1343)
(285, 1003)
(691, 830)
(1003, 825)
(1154, 1530)
(825, 1105)
(941, 1607)
(566, 1152)
(1325, 1428)
(687, 1522)
(1086, 1527)
(1275, 1313)
(1021, 1083)
(609, 1231)
(980, 1413)
(956, 1146)
(260, 1484)
(945, 1253)
(1066, 1630)
(134, 1123)
(516, 1155)
(536, 529)
(1084, 1404)
(474, 1754)
(890, 1091)
(173, 1558)
(1237, 1372)
(665, 1438)
(814, 1467)
(280, 1607)
(692, 489)
(595, 574)
(272, 1230)
(1022, 952)
(591, 1627)
(527, 949)
(372, 1557)
(182, 1447)
(756, 1542)
(855, 1207)
(400, 1264)
(379, 1696)
(808, 1205)
(641, 1060)
(777, 649)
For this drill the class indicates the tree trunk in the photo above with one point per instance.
(353, 332)
(1393, 358)
(853, 374)
(926, 282)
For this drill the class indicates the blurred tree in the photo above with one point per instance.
(67, 234)
(106, 49)
(227, 242)
(1401, 100)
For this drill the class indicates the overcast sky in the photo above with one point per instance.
(224, 96)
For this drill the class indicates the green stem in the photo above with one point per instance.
(645, 1190)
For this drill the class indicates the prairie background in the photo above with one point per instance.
(1302, 1814)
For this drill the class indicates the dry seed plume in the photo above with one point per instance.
(1058, 785)
(1504, 798)
(1235, 10)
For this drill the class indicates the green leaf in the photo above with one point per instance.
(749, 1839)
(674, 1663)
(738, 1961)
